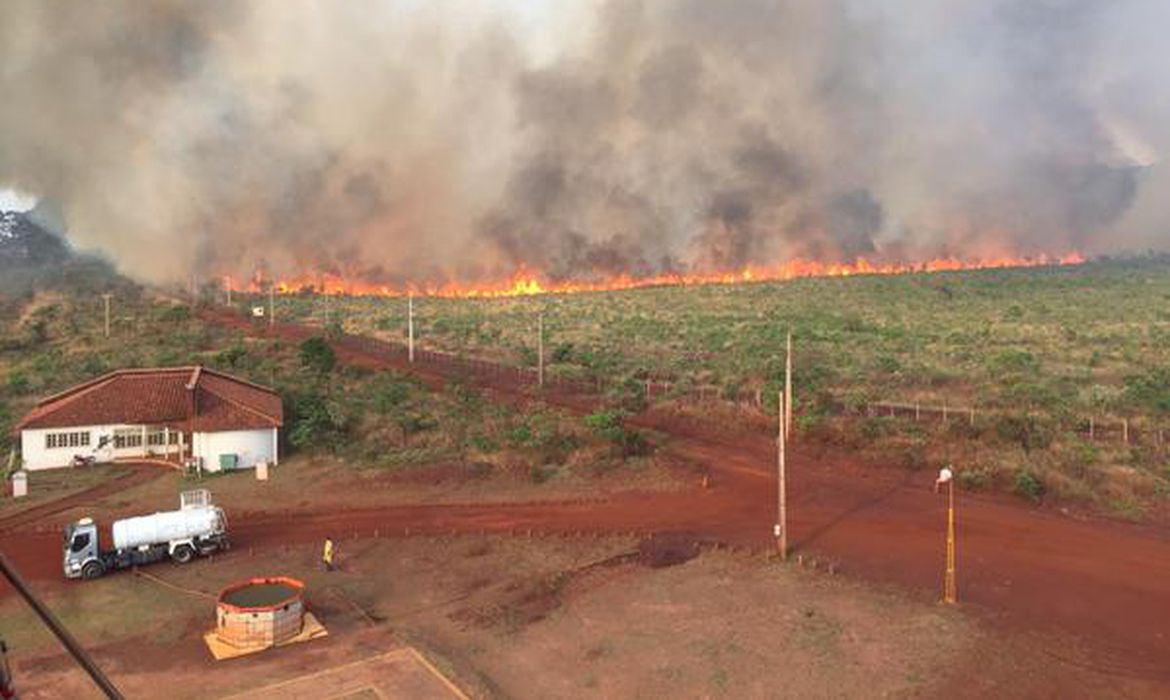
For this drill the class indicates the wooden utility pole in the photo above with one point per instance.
(950, 594)
(781, 529)
(788, 389)
(106, 298)
(410, 327)
(540, 349)
(272, 305)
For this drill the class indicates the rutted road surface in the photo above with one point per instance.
(1106, 582)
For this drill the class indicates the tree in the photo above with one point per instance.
(317, 355)
(313, 422)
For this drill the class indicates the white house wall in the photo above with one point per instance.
(250, 447)
(36, 456)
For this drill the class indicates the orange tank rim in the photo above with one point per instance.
(296, 584)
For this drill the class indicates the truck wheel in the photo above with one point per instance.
(91, 570)
(183, 554)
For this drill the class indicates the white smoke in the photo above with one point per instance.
(456, 139)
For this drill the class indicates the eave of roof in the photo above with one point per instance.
(271, 414)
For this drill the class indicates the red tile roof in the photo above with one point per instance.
(185, 398)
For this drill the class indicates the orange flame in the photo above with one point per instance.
(527, 283)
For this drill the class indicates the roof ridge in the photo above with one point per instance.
(194, 381)
(124, 371)
(76, 389)
(238, 380)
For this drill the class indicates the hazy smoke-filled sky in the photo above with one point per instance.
(432, 140)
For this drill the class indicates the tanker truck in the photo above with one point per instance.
(197, 528)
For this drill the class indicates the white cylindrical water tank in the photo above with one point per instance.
(167, 527)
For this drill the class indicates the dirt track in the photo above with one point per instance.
(1106, 582)
(137, 474)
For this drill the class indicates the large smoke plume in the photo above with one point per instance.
(428, 141)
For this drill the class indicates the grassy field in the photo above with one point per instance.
(1051, 339)
(368, 420)
(1037, 352)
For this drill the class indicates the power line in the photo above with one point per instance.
(59, 630)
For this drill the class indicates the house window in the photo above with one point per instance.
(157, 437)
(127, 437)
(55, 441)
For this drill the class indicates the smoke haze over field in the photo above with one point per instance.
(438, 140)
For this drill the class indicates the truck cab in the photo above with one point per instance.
(82, 554)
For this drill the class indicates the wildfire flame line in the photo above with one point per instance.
(527, 283)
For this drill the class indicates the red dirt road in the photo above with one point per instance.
(1107, 583)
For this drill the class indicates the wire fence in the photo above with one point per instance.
(1136, 431)
(451, 363)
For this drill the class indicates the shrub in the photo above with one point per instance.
(1013, 362)
(389, 396)
(483, 443)
(313, 421)
(1028, 432)
(540, 473)
(562, 352)
(973, 479)
(177, 313)
(412, 419)
(629, 395)
(18, 383)
(610, 425)
(876, 427)
(528, 356)
(317, 355)
(1151, 389)
(1029, 485)
(233, 356)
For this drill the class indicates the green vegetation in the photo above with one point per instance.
(1036, 352)
(56, 339)
(317, 356)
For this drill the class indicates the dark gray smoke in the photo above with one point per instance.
(429, 141)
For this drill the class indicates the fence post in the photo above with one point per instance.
(972, 416)
(944, 411)
(1092, 429)
(917, 411)
(1125, 430)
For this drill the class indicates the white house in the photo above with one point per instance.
(170, 414)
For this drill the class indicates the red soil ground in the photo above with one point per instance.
(1106, 582)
